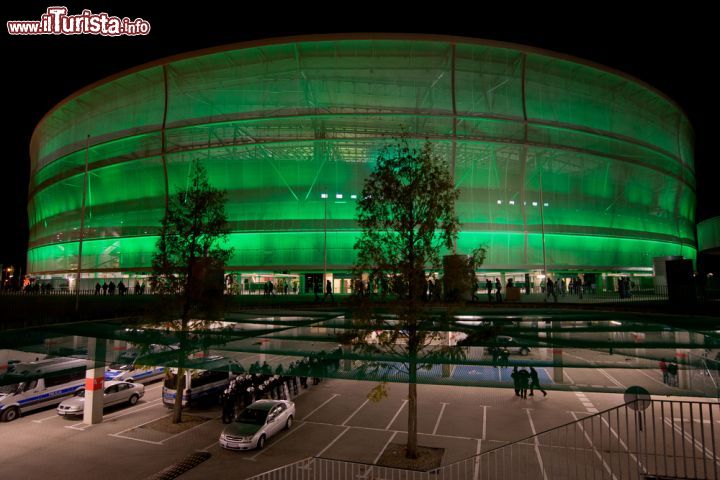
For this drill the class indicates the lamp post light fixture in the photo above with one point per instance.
(324, 196)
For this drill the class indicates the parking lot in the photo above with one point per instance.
(334, 420)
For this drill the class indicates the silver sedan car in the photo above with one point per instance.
(257, 423)
(114, 394)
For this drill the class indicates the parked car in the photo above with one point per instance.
(513, 346)
(115, 393)
(257, 423)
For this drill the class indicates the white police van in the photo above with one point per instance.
(204, 384)
(32, 385)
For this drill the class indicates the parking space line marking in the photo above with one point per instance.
(399, 431)
(437, 423)
(135, 439)
(214, 444)
(268, 447)
(47, 418)
(384, 447)
(353, 414)
(611, 378)
(476, 473)
(321, 405)
(319, 454)
(548, 375)
(140, 425)
(694, 443)
(537, 444)
(392, 420)
(484, 432)
(190, 429)
(651, 378)
(624, 445)
(76, 426)
(73, 427)
(592, 445)
(568, 376)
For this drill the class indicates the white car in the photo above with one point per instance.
(115, 393)
(257, 423)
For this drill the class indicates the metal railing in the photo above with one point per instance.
(319, 468)
(638, 440)
(644, 438)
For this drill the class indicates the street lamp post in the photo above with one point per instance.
(325, 197)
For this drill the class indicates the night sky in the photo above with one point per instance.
(674, 51)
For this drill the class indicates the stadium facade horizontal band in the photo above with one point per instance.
(541, 145)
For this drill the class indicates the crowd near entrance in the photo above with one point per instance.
(512, 285)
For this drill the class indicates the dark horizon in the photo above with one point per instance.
(46, 69)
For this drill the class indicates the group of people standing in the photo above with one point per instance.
(317, 289)
(109, 288)
(669, 373)
(260, 382)
(522, 380)
(282, 288)
(624, 287)
(498, 289)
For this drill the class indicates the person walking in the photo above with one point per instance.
(498, 290)
(329, 291)
(104, 287)
(475, 287)
(504, 357)
(535, 382)
(664, 370)
(524, 382)
(97, 288)
(516, 380)
(489, 287)
(495, 355)
(672, 370)
(579, 286)
(551, 290)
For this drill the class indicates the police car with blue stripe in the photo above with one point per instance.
(33, 385)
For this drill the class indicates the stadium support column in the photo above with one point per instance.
(95, 381)
(3, 360)
(682, 358)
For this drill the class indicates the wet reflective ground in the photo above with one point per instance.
(570, 350)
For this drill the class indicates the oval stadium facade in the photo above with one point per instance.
(560, 162)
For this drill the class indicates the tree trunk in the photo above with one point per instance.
(179, 389)
(411, 448)
(180, 379)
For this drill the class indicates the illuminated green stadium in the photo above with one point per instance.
(542, 145)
